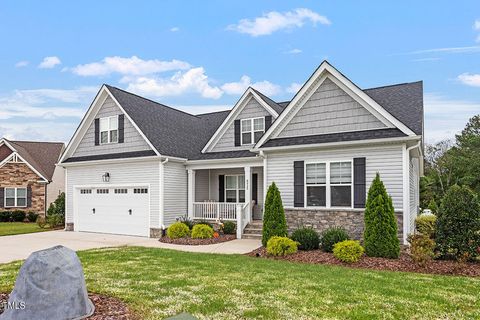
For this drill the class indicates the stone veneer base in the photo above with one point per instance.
(69, 226)
(320, 220)
(155, 233)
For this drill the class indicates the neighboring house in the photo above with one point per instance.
(134, 165)
(29, 177)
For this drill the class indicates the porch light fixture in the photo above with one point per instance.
(106, 177)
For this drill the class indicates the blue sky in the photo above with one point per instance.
(200, 55)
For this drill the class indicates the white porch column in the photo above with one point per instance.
(248, 192)
(191, 192)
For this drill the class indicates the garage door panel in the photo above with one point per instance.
(112, 213)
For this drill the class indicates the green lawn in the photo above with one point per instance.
(157, 283)
(11, 228)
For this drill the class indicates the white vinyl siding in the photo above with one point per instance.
(175, 192)
(252, 109)
(329, 110)
(131, 173)
(385, 159)
(133, 141)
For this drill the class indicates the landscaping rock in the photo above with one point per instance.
(50, 285)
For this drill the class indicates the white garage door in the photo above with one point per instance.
(119, 210)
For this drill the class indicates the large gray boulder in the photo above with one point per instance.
(50, 286)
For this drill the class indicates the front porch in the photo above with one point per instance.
(226, 194)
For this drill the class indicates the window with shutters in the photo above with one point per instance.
(235, 188)
(329, 184)
(109, 130)
(251, 130)
(15, 197)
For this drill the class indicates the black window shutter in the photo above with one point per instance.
(359, 182)
(236, 127)
(221, 188)
(29, 196)
(268, 122)
(2, 197)
(255, 187)
(121, 128)
(298, 184)
(97, 132)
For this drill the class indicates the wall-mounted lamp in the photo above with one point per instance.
(106, 177)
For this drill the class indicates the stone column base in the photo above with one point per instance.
(69, 226)
(155, 233)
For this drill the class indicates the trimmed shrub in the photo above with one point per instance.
(307, 238)
(274, 222)
(458, 224)
(18, 216)
(229, 227)
(281, 246)
(32, 216)
(425, 224)
(41, 222)
(380, 234)
(56, 220)
(331, 236)
(202, 231)
(204, 222)
(421, 248)
(348, 251)
(178, 230)
(5, 216)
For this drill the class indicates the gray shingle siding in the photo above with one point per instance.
(133, 140)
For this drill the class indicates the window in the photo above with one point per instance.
(15, 197)
(109, 129)
(102, 191)
(122, 191)
(328, 184)
(85, 191)
(140, 190)
(252, 130)
(235, 189)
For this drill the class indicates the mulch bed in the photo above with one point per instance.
(404, 263)
(198, 242)
(106, 308)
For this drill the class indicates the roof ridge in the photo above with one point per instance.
(393, 85)
(153, 101)
(32, 141)
(202, 114)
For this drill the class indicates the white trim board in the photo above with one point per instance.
(239, 106)
(323, 71)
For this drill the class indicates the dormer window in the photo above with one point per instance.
(252, 130)
(109, 130)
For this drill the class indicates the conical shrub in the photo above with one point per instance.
(380, 234)
(274, 222)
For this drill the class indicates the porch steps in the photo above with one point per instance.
(253, 230)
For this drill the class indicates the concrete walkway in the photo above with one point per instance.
(19, 247)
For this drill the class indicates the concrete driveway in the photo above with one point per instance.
(19, 247)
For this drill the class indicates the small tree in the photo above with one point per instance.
(380, 234)
(433, 206)
(458, 224)
(274, 222)
(58, 206)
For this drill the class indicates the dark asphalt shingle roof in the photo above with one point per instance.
(122, 155)
(335, 137)
(41, 155)
(176, 133)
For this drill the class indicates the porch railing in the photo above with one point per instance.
(210, 210)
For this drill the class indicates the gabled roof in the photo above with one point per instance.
(275, 106)
(42, 156)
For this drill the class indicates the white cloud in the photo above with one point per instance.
(294, 87)
(194, 80)
(446, 117)
(174, 29)
(128, 66)
(49, 62)
(274, 21)
(470, 49)
(470, 79)
(21, 64)
(39, 131)
(293, 51)
(239, 87)
(426, 59)
(476, 27)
